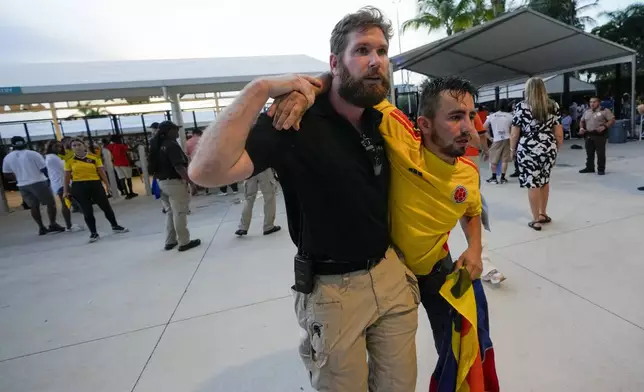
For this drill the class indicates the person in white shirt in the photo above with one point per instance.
(29, 169)
(499, 123)
(56, 172)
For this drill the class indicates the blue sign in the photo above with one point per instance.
(10, 90)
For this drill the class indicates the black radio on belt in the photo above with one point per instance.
(304, 274)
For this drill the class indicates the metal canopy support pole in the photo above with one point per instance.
(54, 116)
(145, 133)
(115, 121)
(175, 104)
(111, 175)
(4, 206)
(633, 87)
(89, 134)
(617, 93)
(194, 119)
(392, 90)
(217, 109)
(28, 137)
(143, 158)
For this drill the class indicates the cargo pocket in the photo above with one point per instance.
(324, 332)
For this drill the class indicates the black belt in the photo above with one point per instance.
(334, 267)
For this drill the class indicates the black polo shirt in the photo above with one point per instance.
(170, 156)
(337, 206)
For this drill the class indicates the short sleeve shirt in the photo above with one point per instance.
(170, 157)
(26, 165)
(596, 119)
(501, 123)
(335, 180)
(85, 168)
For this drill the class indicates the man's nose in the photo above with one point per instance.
(374, 60)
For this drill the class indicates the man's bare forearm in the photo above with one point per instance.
(472, 228)
(223, 142)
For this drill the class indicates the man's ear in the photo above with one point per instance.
(424, 124)
(333, 63)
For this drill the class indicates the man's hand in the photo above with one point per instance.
(486, 155)
(582, 131)
(471, 260)
(287, 110)
(280, 85)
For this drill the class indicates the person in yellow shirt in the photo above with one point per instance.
(86, 171)
(433, 184)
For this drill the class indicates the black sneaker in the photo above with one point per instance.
(504, 180)
(514, 175)
(127, 197)
(43, 231)
(56, 228)
(133, 195)
(241, 232)
(601, 173)
(640, 188)
(492, 180)
(93, 237)
(586, 170)
(274, 229)
(189, 245)
(119, 229)
(170, 246)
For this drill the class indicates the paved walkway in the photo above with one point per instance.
(123, 315)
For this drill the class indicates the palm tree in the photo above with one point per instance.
(567, 11)
(453, 15)
(457, 15)
(480, 12)
(84, 110)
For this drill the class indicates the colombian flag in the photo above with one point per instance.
(466, 360)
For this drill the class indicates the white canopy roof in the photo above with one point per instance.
(554, 85)
(513, 47)
(56, 82)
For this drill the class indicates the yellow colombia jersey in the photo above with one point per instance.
(427, 196)
(84, 169)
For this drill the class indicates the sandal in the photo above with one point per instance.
(546, 219)
(533, 225)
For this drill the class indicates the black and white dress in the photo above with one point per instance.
(537, 149)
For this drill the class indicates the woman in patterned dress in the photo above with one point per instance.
(537, 136)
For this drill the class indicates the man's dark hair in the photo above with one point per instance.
(361, 20)
(431, 90)
(505, 106)
(116, 139)
(49, 147)
(197, 132)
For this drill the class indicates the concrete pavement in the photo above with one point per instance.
(123, 315)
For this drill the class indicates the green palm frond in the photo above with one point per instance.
(424, 21)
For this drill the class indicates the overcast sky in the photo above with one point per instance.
(78, 30)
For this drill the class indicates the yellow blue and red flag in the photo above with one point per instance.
(466, 359)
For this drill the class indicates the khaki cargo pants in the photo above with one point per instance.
(347, 316)
(265, 182)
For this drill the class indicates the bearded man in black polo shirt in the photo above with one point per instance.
(353, 294)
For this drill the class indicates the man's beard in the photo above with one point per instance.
(450, 150)
(361, 94)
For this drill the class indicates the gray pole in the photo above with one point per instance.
(4, 206)
(633, 87)
(144, 169)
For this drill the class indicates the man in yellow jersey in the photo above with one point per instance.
(432, 185)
